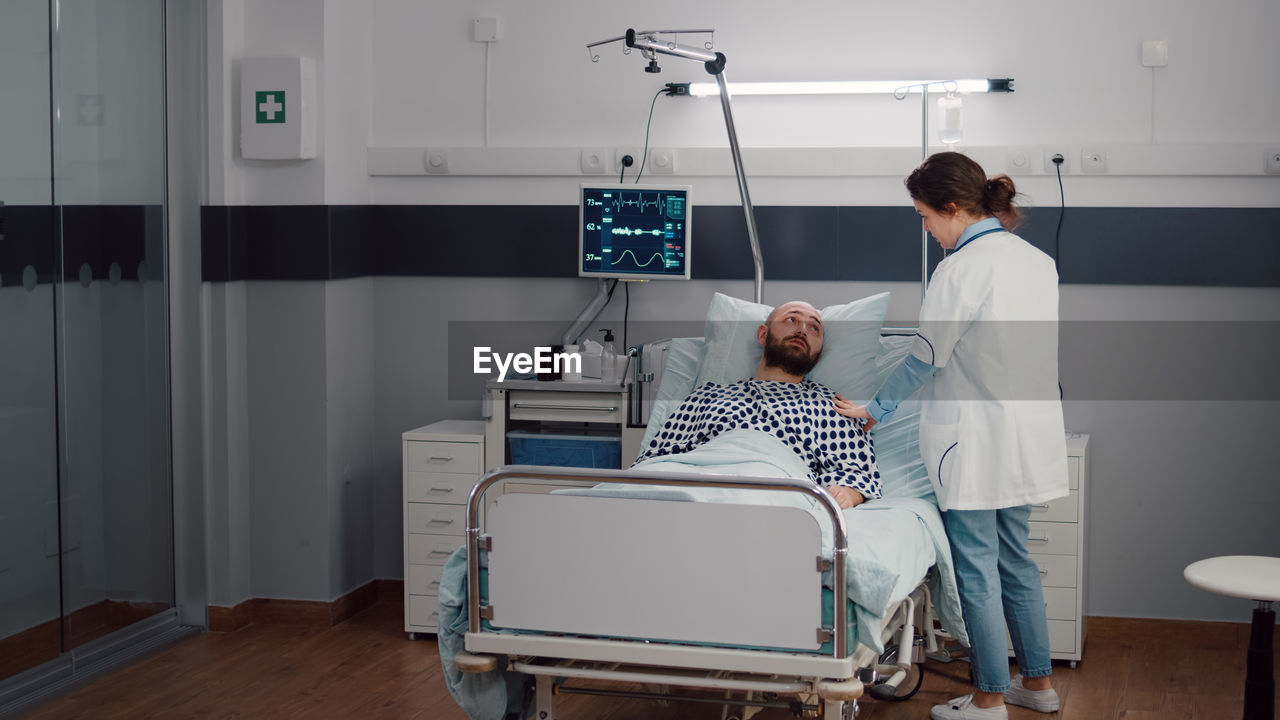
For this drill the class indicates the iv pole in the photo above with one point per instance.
(900, 94)
(648, 44)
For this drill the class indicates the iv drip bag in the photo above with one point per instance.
(951, 119)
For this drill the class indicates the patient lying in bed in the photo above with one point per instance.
(780, 402)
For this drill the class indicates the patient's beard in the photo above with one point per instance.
(791, 360)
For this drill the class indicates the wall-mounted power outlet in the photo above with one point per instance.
(1019, 160)
(1093, 160)
(595, 161)
(436, 162)
(1053, 168)
(631, 170)
(662, 161)
(1271, 163)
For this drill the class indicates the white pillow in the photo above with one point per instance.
(851, 340)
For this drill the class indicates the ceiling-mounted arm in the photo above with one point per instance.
(650, 46)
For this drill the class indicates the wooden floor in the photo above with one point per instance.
(366, 668)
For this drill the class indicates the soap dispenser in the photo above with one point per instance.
(609, 360)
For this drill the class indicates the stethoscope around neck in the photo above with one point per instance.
(946, 253)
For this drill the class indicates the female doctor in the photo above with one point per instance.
(991, 429)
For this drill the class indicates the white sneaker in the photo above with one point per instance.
(1046, 701)
(962, 708)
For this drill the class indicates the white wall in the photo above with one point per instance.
(1148, 516)
(1087, 88)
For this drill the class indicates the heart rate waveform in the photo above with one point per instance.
(637, 200)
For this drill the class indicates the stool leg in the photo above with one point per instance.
(1259, 682)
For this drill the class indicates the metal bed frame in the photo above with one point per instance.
(819, 685)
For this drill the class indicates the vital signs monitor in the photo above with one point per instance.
(635, 232)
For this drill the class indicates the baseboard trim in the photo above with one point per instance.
(272, 611)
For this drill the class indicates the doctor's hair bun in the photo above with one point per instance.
(948, 178)
(999, 201)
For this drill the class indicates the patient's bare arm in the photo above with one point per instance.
(846, 497)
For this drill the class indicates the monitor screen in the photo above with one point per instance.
(638, 232)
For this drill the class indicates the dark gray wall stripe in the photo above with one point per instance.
(93, 235)
(1129, 246)
(477, 240)
(28, 241)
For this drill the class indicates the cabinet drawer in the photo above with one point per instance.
(1060, 603)
(444, 457)
(570, 406)
(1062, 636)
(423, 580)
(1057, 570)
(424, 611)
(437, 519)
(1048, 538)
(448, 488)
(432, 549)
(1063, 509)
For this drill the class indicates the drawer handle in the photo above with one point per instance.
(440, 552)
(434, 584)
(440, 521)
(441, 489)
(441, 458)
(539, 406)
(1042, 572)
(1038, 539)
(1045, 506)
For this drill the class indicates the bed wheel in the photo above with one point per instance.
(905, 689)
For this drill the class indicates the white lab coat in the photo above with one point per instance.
(991, 429)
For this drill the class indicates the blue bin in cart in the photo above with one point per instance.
(586, 451)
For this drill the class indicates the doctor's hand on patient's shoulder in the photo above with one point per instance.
(854, 412)
(845, 497)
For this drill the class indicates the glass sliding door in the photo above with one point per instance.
(86, 530)
(108, 194)
(30, 604)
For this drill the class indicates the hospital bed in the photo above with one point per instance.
(711, 579)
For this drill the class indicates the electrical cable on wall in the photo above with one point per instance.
(626, 311)
(486, 93)
(645, 155)
(1062, 210)
(1057, 236)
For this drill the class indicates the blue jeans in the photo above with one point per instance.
(999, 583)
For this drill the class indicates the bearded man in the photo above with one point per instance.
(778, 400)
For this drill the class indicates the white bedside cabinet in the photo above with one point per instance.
(441, 463)
(1057, 544)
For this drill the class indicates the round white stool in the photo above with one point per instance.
(1254, 578)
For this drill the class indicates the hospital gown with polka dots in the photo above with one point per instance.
(836, 450)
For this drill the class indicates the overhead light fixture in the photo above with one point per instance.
(854, 87)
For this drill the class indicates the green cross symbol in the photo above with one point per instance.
(269, 106)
